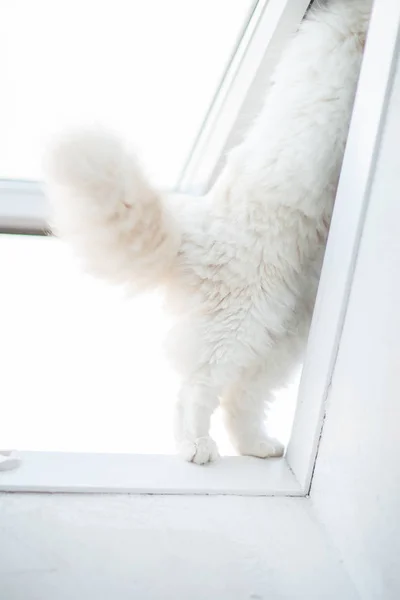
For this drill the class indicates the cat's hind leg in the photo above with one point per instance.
(245, 403)
(245, 407)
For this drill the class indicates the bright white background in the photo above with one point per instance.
(146, 68)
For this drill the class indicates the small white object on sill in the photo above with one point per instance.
(9, 460)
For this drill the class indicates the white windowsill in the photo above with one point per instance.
(148, 474)
(23, 206)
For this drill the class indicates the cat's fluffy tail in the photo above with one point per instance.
(103, 204)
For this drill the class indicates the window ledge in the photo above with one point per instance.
(23, 207)
(148, 474)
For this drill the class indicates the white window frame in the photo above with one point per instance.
(22, 203)
(291, 475)
(22, 207)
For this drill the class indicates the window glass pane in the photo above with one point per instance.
(146, 68)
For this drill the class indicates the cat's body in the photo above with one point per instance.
(241, 265)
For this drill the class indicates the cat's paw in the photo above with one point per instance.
(264, 447)
(200, 450)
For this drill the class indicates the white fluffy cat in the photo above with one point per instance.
(241, 264)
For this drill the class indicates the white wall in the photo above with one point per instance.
(87, 547)
(356, 487)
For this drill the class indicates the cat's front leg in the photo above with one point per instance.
(197, 401)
